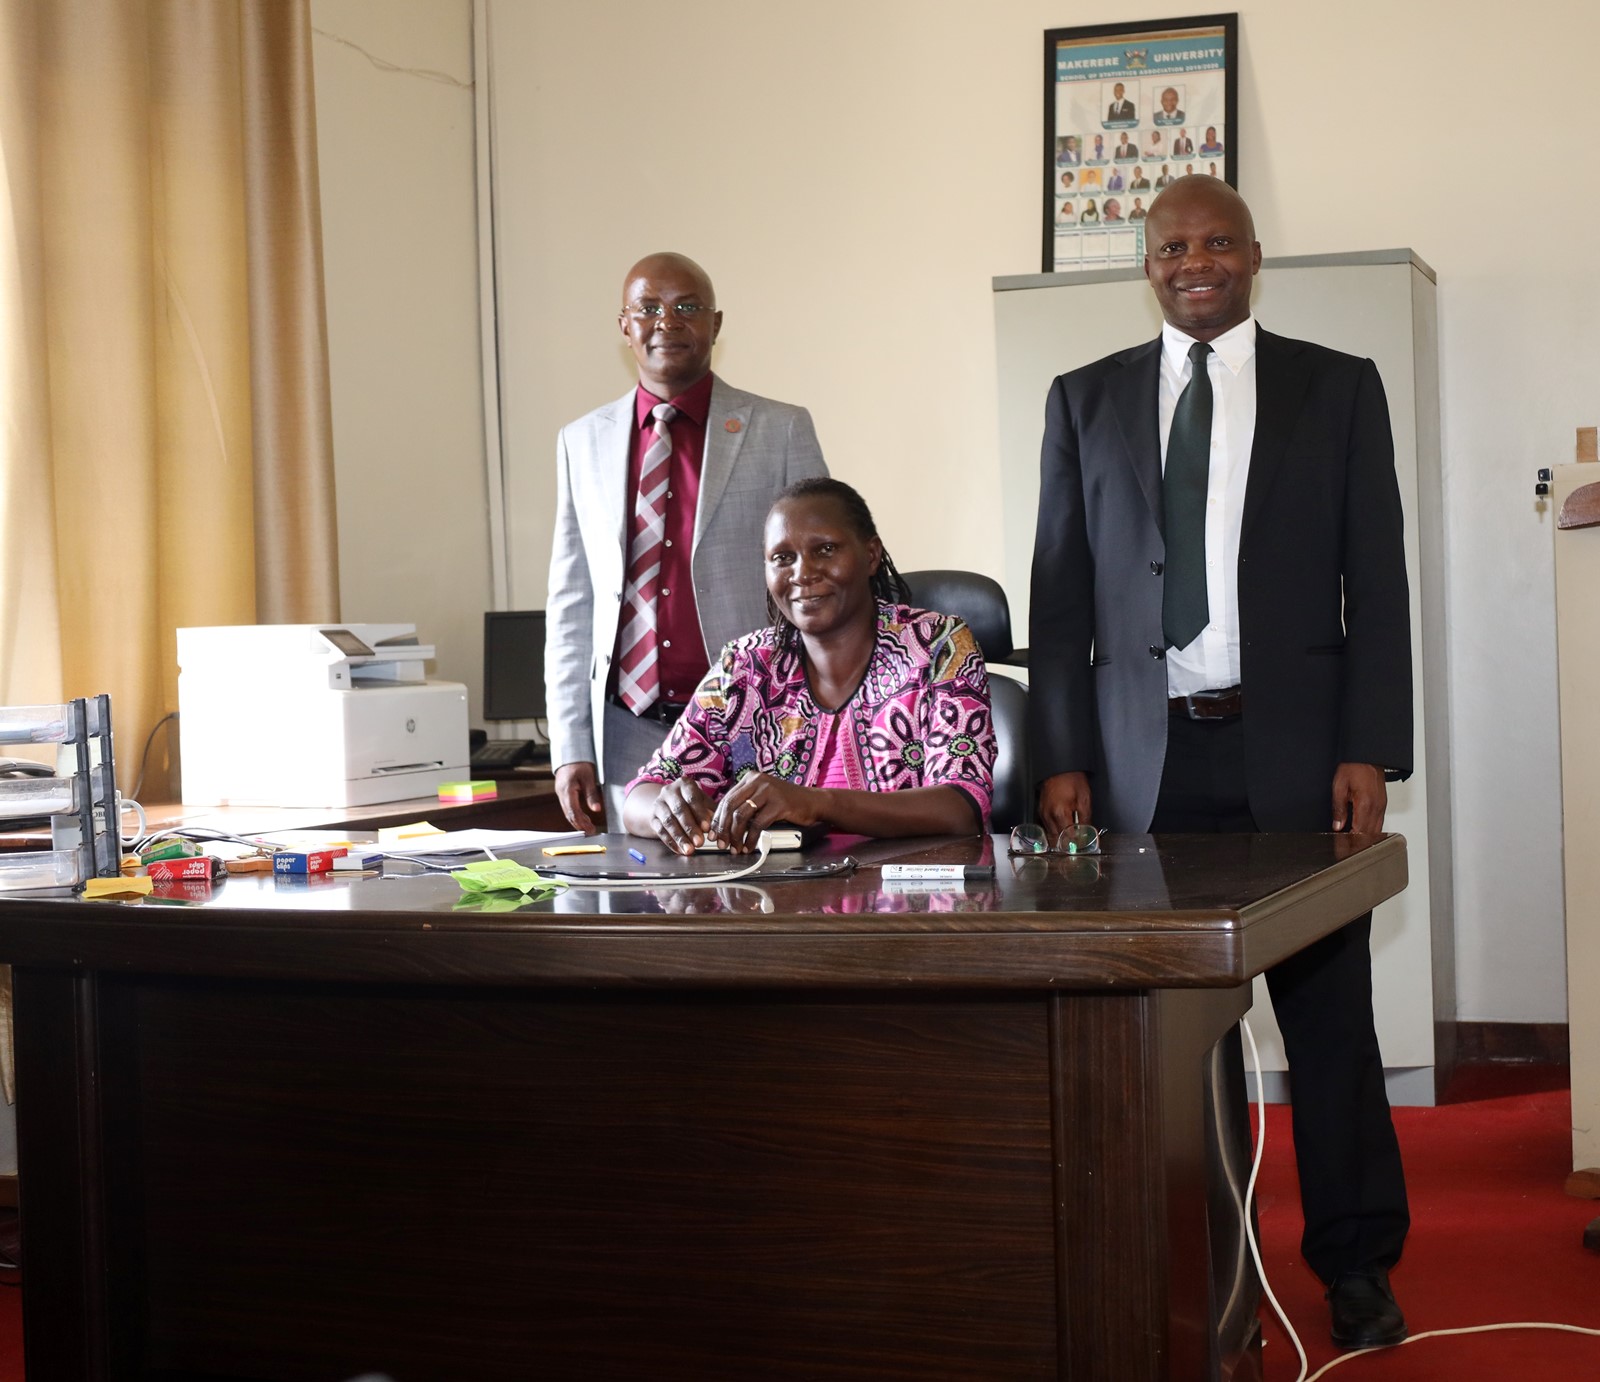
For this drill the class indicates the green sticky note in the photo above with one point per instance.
(502, 875)
(491, 902)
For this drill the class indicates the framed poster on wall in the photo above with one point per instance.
(1128, 109)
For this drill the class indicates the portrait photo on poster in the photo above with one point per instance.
(1130, 108)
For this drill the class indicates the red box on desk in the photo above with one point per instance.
(202, 867)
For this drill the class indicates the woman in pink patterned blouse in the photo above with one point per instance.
(853, 712)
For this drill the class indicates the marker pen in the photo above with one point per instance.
(959, 873)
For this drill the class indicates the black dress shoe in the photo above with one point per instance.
(1364, 1311)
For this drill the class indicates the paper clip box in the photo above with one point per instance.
(312, 861)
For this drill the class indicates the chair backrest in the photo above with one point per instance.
(1013, 781)
(967, 595)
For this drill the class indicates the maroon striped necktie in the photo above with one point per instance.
(638, 672)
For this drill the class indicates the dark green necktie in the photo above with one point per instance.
(1185, 609)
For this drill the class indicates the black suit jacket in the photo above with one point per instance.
(1120, 110)
(1324, 613)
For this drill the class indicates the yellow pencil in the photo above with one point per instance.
(574, 849)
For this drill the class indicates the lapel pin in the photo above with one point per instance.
(732, 425)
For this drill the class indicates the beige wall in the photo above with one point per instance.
(395, 143)
(854, 175)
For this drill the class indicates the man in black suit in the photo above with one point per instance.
(1182, 145)
(1221, 642)
(1120, 108)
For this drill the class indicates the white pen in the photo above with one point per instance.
(957, 872)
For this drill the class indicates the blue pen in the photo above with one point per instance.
(637, 855)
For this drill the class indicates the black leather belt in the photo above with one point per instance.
(664, 712)
(1226, 704)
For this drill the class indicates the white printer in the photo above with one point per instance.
(315, 715)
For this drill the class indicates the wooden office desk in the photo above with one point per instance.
(832, 1129)
(526, 800)
(523, 802)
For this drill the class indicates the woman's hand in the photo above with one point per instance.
(758, 801)
(681, 816)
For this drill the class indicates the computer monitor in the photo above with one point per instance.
(513, 665)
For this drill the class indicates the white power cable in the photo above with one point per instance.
(1235, 1191)
(1255, 1252)
(1250, 1197)
(1446, 1333)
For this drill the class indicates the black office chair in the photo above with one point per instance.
(977, 599)
(982, 603)
(1013, 779)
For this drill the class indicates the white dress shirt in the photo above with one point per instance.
(1211, 662)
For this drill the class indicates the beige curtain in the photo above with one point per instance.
(166, 452)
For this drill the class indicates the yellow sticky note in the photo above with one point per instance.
(118, 887)
(399, 834)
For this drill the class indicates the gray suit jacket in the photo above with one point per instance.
(772, 445)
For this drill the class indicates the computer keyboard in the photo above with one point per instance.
(507, 753)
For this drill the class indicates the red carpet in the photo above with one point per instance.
(10, 1327)
(1493, 1239)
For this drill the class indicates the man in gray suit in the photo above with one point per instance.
(656, 562)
